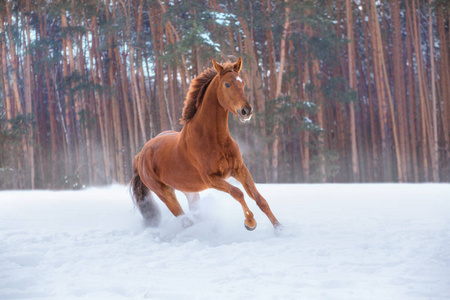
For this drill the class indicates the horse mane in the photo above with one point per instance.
(197, 91)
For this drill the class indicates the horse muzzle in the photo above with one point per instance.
(245, 114)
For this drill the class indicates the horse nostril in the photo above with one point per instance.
(244, 111)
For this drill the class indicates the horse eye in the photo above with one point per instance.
(227, 85)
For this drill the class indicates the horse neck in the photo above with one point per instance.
(211, 118)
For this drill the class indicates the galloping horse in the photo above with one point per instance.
(203, 155)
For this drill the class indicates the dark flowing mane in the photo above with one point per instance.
(197, 91)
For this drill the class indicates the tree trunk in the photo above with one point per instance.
(445, 88)
(435, 149)
(354, 86)
(157, 37)
(28, 101)
(412, 94)
(423, 102)
(275, 132)
(67, 103)
(8, 102)
(399, 88)
(377, 55)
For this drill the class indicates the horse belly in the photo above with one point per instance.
(183, 177)
(176, 171)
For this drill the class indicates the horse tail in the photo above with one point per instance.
(143, 197)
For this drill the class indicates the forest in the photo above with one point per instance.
(342, 90)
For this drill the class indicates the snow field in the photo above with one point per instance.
(374, 241)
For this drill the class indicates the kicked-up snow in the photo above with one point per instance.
(356, 241)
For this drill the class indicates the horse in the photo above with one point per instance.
(202, 155)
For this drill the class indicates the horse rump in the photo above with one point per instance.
(143, 198)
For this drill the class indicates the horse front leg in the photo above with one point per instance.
(221, 185)
(193, 201)
(245, 178)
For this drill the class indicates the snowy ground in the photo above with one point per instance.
(380, 241)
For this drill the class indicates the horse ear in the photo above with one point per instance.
(238, 65)
(217, 66)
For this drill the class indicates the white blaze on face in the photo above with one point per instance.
(238, 78)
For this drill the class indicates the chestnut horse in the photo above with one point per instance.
(203, 155)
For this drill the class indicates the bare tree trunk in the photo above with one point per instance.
(445, 88)
(381, 88)
(117, 141)
(54, 156)
(27, 90)
(399, 89)
(275, 132)
(422, 89)
(412, 94)
(68, 107)
(14, 65)
(435, 151)
(305, 147)
(256, 87)
(97, 76)
(9, 106)
(129, 117)
(144, 99)
(353, 85)
(375, 137)
(137, 97)
(157, 37)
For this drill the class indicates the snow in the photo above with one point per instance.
(307, 120)
(309, 104)
(207, 39)
(361, 241)
(224, 19)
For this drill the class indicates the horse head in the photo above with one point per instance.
(230, 91)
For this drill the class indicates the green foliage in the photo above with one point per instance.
(196, 21)
(78, 83)
(87, 118)
(322, 43)
(442, 5)
(290, 114)
(20, 126)
(338, 89)
(11, 139)
(326, 47)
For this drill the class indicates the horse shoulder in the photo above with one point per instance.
(235, 156)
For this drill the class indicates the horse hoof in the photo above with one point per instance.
(186, 222)
(278, 227)
(250, 224)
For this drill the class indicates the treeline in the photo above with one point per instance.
(343, 91)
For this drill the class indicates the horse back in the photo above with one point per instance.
(167, 132)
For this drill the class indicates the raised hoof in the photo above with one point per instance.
(250, 225)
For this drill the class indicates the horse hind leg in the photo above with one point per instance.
(167, 195)
(144, 200)
(152, 182)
